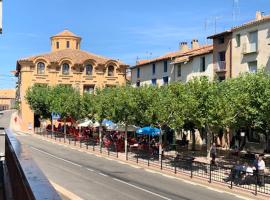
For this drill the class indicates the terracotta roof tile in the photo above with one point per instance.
(8, 93)
(77, 57)
(65, 33)
(253, 22)
(172, 55)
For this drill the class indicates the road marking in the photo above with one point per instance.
(56, 157)
(91, 170)
(139, 188)
(102, 174)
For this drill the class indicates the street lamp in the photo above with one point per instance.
(0, 16)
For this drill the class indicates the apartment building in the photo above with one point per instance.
(68, 65)
(222, 53)
(182, 65)
(7, 99)
(250, 45)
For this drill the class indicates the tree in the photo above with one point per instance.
(38, 98)
(65, 100)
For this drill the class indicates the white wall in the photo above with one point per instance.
(146, 74)
(239, 60)
(191, 68)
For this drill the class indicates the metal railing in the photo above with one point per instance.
(26, 180)
(179, 164)
(220, 66)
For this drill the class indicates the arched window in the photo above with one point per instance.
(89, 70)
(40, 68)
(65, 69)
(111, 70)
(57, 45)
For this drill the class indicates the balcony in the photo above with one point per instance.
(249, 48)
(220, 66)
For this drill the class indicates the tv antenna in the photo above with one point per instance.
(236, 11)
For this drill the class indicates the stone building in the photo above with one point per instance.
(68, 65)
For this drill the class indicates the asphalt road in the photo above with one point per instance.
(92, 177)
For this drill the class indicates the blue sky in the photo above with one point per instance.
(120, 29)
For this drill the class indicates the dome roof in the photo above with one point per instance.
(66, 33)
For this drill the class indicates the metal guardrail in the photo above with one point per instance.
(174, 164)
(27, 181)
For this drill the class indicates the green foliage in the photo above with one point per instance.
(66, 101)
(38, 98)
(200, 103)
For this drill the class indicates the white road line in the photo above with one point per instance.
(91, 170)
(102, 174)
(56, 157)
(155, 194)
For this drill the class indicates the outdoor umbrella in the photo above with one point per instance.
(86, 123)
(148, 130)
(130, 128)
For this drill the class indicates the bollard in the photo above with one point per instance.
(231, 179)
(148, 162)
(80, 143)
(256, 184)
(191, 169)
(161, 162)
(175, 166)
(137, 160)
(210, 174)
(87, 144)
(93, 146)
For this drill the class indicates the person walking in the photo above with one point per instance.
(213, 153)
(261, 168)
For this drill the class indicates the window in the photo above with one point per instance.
(165, 66)
(154, 81)
(138, 72)
(89, 69)
(202, 64)
(65, 69)
(252, 66)
(154, 69)
(179, 70)
(221, 56)
(67, 44)
(165, 80)
(238, 40)
(221, 40)
(57, 45)
(138, 84)
(88, 88)
(77, 45)
(111, 70)
(40, 68)
(253, 40)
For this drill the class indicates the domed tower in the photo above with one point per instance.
(65, 40)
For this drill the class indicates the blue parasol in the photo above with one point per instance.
(148, 130)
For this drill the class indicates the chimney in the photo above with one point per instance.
(183, 46)
(195, 44)
(259, 15)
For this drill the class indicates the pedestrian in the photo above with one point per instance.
(261, 168)
(213, 153)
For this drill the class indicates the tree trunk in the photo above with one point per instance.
(65, 128)
(193, 139)
(208, 140)
(100, 134)
(126, 142)
(52, 125)
(160, 144)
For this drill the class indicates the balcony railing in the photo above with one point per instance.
(220, 66)
(250, 48)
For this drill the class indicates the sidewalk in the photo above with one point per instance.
(199, 177)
